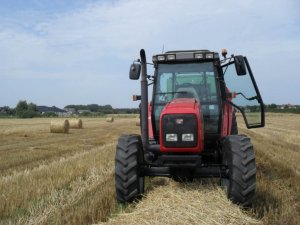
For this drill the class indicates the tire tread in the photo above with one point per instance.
(127, 168)
(242, 169)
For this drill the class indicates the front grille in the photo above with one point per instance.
(179, 124)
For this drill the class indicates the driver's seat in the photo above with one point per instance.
(187, 92)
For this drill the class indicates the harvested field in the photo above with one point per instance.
(277, 149)
(170, 202)
(48, 178)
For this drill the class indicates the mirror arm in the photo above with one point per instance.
(225, 59)
(249, 99)
(227, 64)
(150, 77)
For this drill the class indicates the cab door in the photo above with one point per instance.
(243, 91)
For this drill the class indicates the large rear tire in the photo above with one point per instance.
(238, 156)
(129, 158)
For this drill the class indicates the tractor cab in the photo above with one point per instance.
(217, 85)
(188, 80)
(189, 127)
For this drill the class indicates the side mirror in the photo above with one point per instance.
(135, 70)
(240, 66)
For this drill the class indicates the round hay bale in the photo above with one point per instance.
(109, 119)
(59, 126)
(138, 122)
(75, 123)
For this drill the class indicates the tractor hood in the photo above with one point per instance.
(178, 105)
(181, 118)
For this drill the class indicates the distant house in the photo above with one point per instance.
(3, 109)
(286, 106)
(70, 110)
(80, 111)
(280, 106)
(289, 106)
(54, 109)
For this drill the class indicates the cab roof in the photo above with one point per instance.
(185, 55)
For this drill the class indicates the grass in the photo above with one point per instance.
(50, 178)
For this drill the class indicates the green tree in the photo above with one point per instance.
(273, 106)
(49, 114)
(24, 110)
(32, 107)
(21, 108)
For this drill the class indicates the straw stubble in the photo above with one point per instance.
(193, 203)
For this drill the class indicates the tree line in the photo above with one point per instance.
(30, 110)
(103, 109)
(285, 108)
(22, 110)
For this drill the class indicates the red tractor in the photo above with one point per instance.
(189, 128)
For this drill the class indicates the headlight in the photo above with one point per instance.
(171, 137)
(171, 57)
(198, 56)
(161, 57)
(209, 55)
(187, 137)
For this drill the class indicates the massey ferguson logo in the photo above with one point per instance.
(179, 121)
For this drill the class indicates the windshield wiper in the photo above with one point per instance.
(172, 92)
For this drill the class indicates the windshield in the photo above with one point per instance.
(188, 80)
(192, 80)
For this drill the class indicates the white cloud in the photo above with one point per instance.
(102, 38)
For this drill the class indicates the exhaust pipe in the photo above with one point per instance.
(144, 100)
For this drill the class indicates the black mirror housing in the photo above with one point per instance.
(240, 66)
(135, 70)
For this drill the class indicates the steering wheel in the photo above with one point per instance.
(186, 85)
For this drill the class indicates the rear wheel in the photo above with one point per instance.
(128, 160)
(238, 156)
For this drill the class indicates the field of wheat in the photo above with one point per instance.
(48, 178)
(277, 149)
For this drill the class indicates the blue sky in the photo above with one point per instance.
(59, 52)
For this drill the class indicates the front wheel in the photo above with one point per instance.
(238, 157)
(128, 161)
